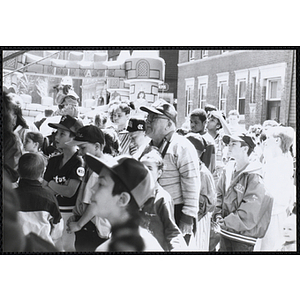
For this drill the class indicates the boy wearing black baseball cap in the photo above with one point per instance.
(90, 231)
(243, 209)
(64, 172)
(124, 185)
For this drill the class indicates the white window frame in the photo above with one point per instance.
(191, 55)
(253, 74)
(268, 92)
(189, 95)
(204, 53)
(270, 73)
(202, 83)
(240, 75)
(223, 80)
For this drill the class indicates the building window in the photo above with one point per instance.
(191, 55)
(253, 90)
(189, 95)
(142, 67)
(241, 96)
(202, 95)
(204, 53)
(222, 95)
(274, 89)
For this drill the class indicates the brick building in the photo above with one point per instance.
(260, 84)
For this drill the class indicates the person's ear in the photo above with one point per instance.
(99, 146)
(124, 199)
(36, 144)
(159, 173)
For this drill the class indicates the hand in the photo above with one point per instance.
(220, 221)
(71, 219)
(73, 227)
(185, 228)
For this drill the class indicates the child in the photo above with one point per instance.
(289, 234)
(64, 172)
(207, 197)
(33, 142)
(90, 232)
(39, 212)
(119, 194)
(158, 213)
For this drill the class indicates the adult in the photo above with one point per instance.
(198, 120)
(278, 177)
(181, 177)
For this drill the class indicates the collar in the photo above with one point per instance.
(29, 182)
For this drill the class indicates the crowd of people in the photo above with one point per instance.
(133, 181)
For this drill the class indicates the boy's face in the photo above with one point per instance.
(289, 232)
(233, 119)
(235, 150)
(30, 145)
(106, 203)
(137, 137)
(61, 137)
(87, 148)
(196, 124)
(152, 166)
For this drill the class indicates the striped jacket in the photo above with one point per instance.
(181, 175)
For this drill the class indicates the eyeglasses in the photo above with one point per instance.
(152, 117)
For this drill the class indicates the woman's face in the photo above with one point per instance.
(120, 118)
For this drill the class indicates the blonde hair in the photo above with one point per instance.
(286, 135)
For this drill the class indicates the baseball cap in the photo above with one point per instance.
(239, 138)
(67, 123)
(135, 176)
(197, 140)
(88, 134)
(161, 107)
(136, 125)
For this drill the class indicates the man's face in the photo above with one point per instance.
(155, 125)
(196, 124)
(61, 137)
(87, 148)
(212, 123)
(105, 202)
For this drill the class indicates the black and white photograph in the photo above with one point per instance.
(125, 150)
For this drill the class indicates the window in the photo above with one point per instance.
(189, 95)
(202, 95)
(222, 90)
(253, 90)
(222, 95)
(191, 55)
(241, 98)
(204, 53)
(274, 89)
(202, 91)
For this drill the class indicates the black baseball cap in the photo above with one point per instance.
(136, 125)
(67, 123)
(239, 138)
(88, 134)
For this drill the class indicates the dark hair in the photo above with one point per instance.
(200, 113)
(125, 107)
(112, 142)
(36, 137)
(126, 237)
(119, 187)
(20, 120)
(100, 119)
(250, 149)
(31, 166)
